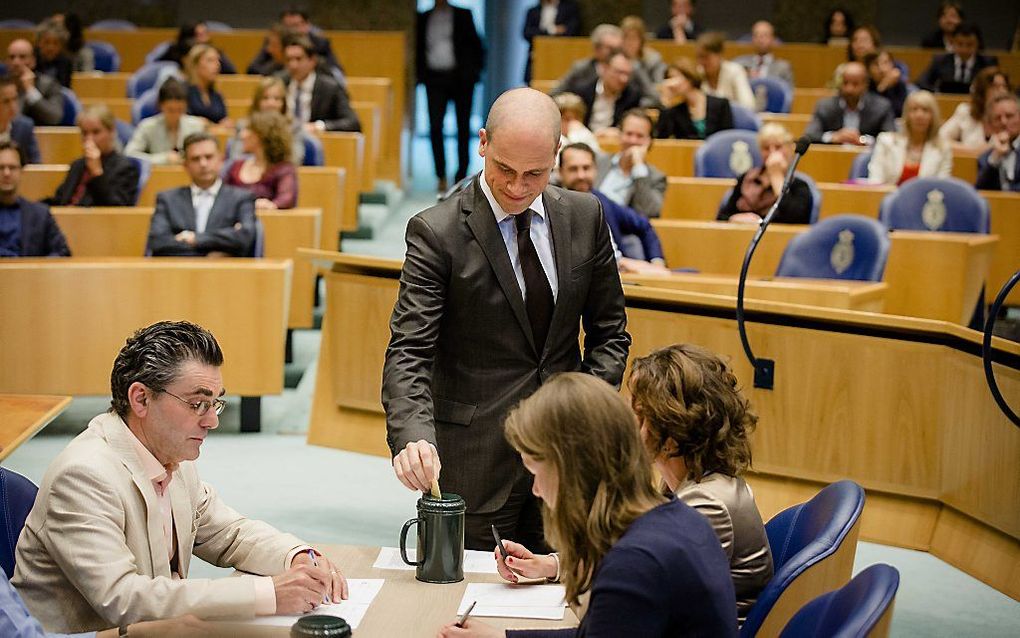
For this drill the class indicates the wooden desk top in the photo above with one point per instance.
(405, 607)
(22, 415)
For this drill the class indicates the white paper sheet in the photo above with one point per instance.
(514, 601)
(362, 591)
(475, 562)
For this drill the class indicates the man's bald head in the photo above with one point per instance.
(855, 82)
(20, 56)
(524, 108)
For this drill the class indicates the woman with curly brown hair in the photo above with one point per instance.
(266, 170)
(652, 564)
(695, 424)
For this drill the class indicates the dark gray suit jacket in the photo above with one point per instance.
(876, 117)
(174, 213)
(117, 186)
(331, 104)
(648, 191)
(22, 132)
(461, 352)
(47, 111)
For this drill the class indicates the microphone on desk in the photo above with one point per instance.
(764, 369)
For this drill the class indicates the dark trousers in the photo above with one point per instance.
(440, 88)
(519, 520)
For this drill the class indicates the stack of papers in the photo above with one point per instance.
(362, 591)
(544, 602)
(475, 562)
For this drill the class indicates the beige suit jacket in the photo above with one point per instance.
(92, 554)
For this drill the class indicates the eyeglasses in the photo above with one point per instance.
(201, 407)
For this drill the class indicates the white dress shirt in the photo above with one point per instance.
(202, 201)
(547, 21)
(541, 237)
(602, 109)
(439, 54)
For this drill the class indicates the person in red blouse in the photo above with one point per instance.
(266, 170)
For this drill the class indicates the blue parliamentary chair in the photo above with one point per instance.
(859, 168)
(314, 153)
(149, 75)
(157, 51)
(944, 204)
(861, 608)
(17, 23)
(778, 94)
(145, 105)
(215, 26)
(114, 25)
(124, 131)
(851, 247)
(727, 154)
(17, 494)
(813, 547)
(106, 57)
(144, 171)
(744, 118)
(72, 107)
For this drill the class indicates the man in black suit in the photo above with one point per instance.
(610, 94)
(953, 72)
(681, 26)
(315, 99)
(27, 229)
(854, 116)
(39, 96)
(15, 127)
(550, 17)
(102, 176)
(207, 218)
(495, 283)
(450, 58)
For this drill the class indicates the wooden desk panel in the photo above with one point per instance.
(380, 91)
(65, 341)
(58, 144)
(98, 84)
(22, 415)
(346, 150)
(371, 118)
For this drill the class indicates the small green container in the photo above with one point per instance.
(440, 539)
(320, 627)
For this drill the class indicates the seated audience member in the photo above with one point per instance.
(886, 79)
(188, 36)
(27, 229)
(697, 426)
(953, 72)
(852, 117)
(50, 52)
(297, 22)
(917, 151)
(160, 138)
(652, 564)
(14, 126)
(723, 78)
(82, 57)
(315, 99)
(206, 218)
(39, 96)
(950, 15)
(122, 508)
(865, 40)
(681, 26)
(606, 39)
(969, 128)
(271, 96)
(559, 18)
(758, 188)
(644, 57)
(573, 113)
(611, 94)
(763, 63)
(16, 622)
(999, 166)
(101, 176)
(578, 173)
(267, 171)
(203, 68)
(626, 178)
(690, 114)
(838, 26)
(269, 60)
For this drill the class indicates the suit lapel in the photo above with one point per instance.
(215, 210)
(559, 221)
(482, 222)
(180, 505)
(187, 209)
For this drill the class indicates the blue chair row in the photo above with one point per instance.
(773, 93)
(862, 608)
(106, 57)
(150, 75)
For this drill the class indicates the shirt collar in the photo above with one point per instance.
(154, 470)
(538, 206)
(213, 190)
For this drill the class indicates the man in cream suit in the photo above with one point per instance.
(121, 510)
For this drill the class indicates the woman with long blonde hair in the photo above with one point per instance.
(202, 66)
(916, 152)
(653, 565)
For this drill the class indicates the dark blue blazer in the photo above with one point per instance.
(624, 220)
(214, 111)
(666, 576)
(989, 177)
(40, 235)
(23, 133)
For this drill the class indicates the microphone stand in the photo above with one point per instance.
(764, 369)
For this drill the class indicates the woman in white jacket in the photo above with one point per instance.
(918, 151)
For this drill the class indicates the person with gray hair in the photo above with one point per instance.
(496, 281)
(122, 509)
(51, 50)
(606, 40)
(39, 96)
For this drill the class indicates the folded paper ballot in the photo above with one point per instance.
(475, 562)
(361, 593)
(544, 602)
